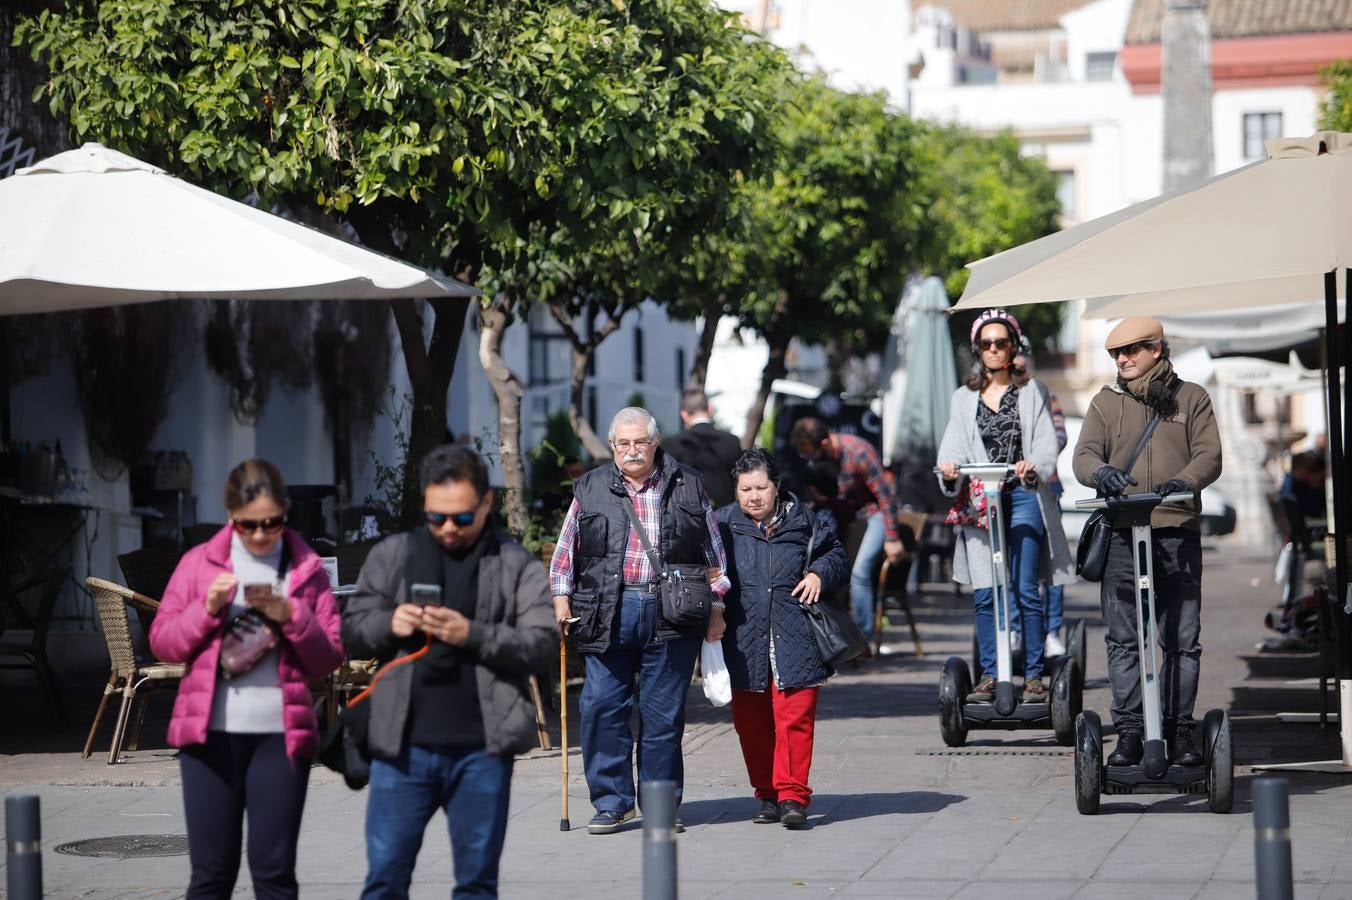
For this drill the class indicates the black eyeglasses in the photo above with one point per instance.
(997, 343)
(249, 526)
(461, 519)
(1130, 349)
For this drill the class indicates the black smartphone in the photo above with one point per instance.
(425, 594)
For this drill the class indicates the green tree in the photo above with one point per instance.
(1336, 114)
(837, 222)
(464, 134)
(984, 196)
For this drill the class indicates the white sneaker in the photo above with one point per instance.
(1053, 646)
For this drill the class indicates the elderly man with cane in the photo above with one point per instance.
(1116, 454)
(605, 586)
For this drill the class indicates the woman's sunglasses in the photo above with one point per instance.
(461, 519)
(249, 526)
(994, 343)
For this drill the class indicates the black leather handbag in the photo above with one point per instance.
(1091, 553)
(683, 593)
(838, 638)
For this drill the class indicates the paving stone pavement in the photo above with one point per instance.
(895, 814)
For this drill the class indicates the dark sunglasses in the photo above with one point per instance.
(249, 526)
(1130, 349)
(461, 519)
(997, 343)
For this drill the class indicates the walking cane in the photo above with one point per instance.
(563, 727)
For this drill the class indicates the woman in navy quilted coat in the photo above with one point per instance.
(772, 657)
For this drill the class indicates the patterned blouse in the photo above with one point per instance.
(1000, 428)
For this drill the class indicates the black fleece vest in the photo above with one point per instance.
(603, 534)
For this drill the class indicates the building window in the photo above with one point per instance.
(1251, 414)
(638, 355)
(680, 368)
(539, 420)
(1065, 192)
(1260, 127)
(1099, 66)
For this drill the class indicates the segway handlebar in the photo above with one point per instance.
(989, 471)
(1134, 501)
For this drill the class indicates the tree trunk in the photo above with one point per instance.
(699, 372)
(583, 351)
(429, 370)
(837, 361)
(777, 336)
(493, 321)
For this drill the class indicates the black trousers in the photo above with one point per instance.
(1177, 561)
(229, 775)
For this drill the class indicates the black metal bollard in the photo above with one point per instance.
(23, 840)
(1272, 839)
(658, 800)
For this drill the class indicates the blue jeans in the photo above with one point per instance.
(1054, 605)
(470, 784)
(861, 576)
(1023, 547)
(608, 696)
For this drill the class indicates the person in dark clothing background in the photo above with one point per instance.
(708, 450)
(1304, 484)
(445, 729)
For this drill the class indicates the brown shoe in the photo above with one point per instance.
(984, 691)
(1034, 691)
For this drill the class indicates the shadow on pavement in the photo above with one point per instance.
(825, 809)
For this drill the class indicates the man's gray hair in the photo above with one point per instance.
(633, 415)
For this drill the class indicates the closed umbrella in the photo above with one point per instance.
(94, 227)
(1266, 234)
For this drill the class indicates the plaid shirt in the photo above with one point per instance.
(638, 568)
(862, 481)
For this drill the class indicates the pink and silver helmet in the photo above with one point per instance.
(996, 315)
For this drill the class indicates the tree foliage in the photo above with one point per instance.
(1336, 113)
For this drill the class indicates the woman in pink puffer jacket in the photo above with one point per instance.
(247, 739)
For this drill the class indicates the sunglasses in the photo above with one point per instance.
(249, 526)
(1130, 349)
(994, 343)
(461, 519)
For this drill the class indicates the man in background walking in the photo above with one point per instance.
(705, 448)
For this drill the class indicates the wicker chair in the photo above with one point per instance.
(128, 676)
(23, 632)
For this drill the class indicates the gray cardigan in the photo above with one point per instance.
(511, 636)
(962, 444)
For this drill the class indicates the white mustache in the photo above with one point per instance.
(634, 458)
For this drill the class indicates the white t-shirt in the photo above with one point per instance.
(250, 703)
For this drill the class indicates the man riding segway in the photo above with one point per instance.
(1182, 454)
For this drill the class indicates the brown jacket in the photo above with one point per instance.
(1187, 447)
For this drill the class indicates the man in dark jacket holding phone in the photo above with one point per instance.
(444, 729)
(1183, 454)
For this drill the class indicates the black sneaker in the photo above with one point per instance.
(607, 822)
(1129, 750)
(769, 813)
(1181, 750)
(792, 814)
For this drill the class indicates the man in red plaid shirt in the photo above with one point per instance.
(605, 599)
(863, 486)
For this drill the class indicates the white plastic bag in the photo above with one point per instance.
(717, 683)
(1282, 571)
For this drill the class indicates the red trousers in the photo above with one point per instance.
(775, 728)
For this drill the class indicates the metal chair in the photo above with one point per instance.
(128, 676)
(23, 632)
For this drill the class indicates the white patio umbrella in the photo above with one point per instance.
(94, 227)
(1263, 235)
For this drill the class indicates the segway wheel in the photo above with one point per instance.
(954, 685)
(1220, 762)
(1088, 762)
(1078, 649)
(1065, 701)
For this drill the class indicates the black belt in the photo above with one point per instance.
(647, 587)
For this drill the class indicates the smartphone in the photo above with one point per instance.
(258, 591)
(425, 594)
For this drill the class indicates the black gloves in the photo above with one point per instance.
(1172, 486)
(1112, 480)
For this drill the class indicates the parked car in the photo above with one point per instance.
(1218, 514)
